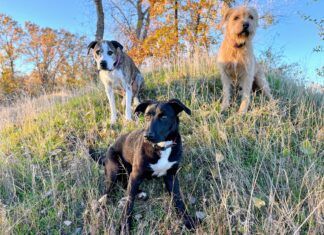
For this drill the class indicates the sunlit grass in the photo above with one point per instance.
(260, 173)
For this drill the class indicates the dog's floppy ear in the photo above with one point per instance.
(142, 106)
(226, 15)
(178, 106)
(91, 45)
(117, 44)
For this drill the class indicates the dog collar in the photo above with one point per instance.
(239, 45)
(164, 147)
(117, 62)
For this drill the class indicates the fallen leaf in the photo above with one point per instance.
(200, 215)
(307, 148)
(219, 157)
(138, 217)
(67, 222)
(258, 202)
(103, 199)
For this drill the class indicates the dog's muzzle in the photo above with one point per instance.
(149, 136)
(245, 32)
(246, 25)
(103, 65)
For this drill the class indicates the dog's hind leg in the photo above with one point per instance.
(132, 189)
(112, 168)
(262, 83)
(136, 87)
(128, 110)
(136, 101)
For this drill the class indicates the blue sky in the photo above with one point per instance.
(291, 36)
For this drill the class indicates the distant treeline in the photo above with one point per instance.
(32, 57)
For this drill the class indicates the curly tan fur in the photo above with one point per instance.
(236, 60)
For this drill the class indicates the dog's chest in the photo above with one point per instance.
(161, 167)
(115, 78)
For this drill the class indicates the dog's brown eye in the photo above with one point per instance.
(251, 17)
(236, 18)
(110, 52)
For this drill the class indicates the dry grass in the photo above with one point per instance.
(28, 107)
(261, 173)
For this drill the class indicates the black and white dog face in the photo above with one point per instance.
(106, 54)
(161, 118)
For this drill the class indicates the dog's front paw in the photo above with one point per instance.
(122, 202)
(142, 196)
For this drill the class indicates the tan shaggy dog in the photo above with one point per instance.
(236, 60)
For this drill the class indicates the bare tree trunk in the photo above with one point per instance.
(176, 23)
(197, 23)
(147, 24)
(100, 20)
(140, 19)
(229, 2)
(143, 20)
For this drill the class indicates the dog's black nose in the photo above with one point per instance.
(149, 135)
(103, 64)
(246, 25)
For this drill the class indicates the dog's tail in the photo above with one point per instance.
(98, 155)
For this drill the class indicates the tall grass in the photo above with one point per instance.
(258, 173)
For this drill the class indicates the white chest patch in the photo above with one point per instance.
(163, 164)
(116, 78)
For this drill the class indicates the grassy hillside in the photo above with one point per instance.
(261, 173)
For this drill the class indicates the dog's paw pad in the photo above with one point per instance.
(142, 196)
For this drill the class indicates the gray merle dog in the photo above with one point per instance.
(118, 72)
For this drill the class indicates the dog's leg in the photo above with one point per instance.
(262, 83)
(226, 82)
(123, 102)
(128, 110)
(246, 84)
(172, 185)
(136, 101)
(111, 98)
(136, 87)
(132, 189)
(111, 169)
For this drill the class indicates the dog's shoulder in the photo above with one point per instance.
(129, 64)
(135, 135)
(128, 140)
